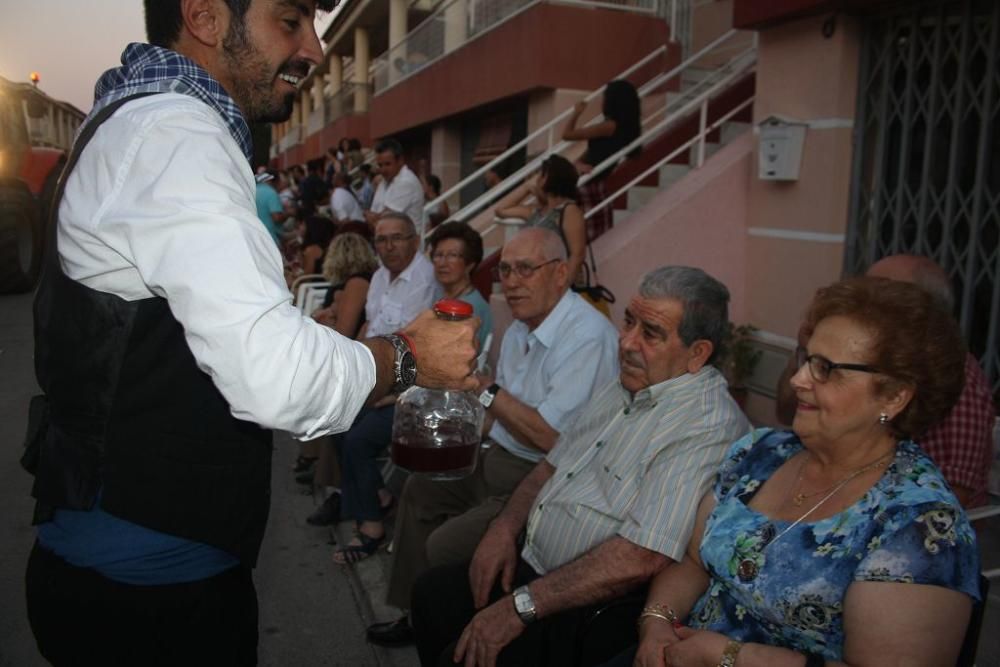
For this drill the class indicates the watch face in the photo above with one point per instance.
(407, 369)
(486, 398)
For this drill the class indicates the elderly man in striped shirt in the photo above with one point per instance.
(612, 504)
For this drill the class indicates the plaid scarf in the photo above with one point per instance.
(151, 69)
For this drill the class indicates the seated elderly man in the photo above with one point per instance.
(612, 504)
(402, 287)
(552, 358)
(961, 445)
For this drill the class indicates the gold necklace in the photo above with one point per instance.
(748, 569)
(800, 497)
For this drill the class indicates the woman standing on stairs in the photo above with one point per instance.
(620, 127)
(554, 190)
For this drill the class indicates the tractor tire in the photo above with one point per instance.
(21, 237)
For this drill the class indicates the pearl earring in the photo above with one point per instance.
(883, 419)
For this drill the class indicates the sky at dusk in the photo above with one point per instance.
(68, 42)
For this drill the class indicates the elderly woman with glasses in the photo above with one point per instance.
(456, 250)
(838, 542)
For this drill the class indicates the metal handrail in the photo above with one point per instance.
(719, 79)
(513, 180)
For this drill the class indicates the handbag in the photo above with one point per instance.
(586, 283)
(587, 286)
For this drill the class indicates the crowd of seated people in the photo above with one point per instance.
(624, 469)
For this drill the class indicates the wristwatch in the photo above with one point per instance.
(486, 398)
(524, 605)
(404, 366)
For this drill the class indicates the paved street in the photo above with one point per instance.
(312, 612)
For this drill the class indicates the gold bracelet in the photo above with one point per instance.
(661, 611)
(729, 653)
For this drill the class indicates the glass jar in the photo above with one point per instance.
(436, 432)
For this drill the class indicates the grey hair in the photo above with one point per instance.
(389, 214)
(705, 301)
(550, 243)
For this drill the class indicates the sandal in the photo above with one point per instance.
(354, 553)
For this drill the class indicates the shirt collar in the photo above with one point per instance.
(153, 69)
(407, 273)
(651, 396)
(546, 332)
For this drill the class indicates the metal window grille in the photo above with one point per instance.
(926, 172)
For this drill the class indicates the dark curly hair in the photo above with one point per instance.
(164, 21)
(917, 344)
(469, 237)
(560, 177)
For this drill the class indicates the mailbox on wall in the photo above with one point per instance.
(780, 150)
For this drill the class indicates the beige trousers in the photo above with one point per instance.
(441, 523)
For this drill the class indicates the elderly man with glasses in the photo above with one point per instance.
(400, 289)
(552, 358)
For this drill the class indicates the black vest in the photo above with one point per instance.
(131, 415)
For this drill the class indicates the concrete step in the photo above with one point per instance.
(731, 130)
(711, 148)
(620, 216)
(671, 173)
(640, 195)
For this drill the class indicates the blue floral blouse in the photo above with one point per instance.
(907, 528)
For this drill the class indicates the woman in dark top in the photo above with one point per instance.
(315, 239)
(555, 208)
(620, 127)
(349, 265)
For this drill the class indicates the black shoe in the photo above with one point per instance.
(326, 514)
(305, 476)
(391, 634)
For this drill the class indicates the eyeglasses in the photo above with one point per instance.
(393, 239)
(522, 269)
(447, 256)
(820, 367)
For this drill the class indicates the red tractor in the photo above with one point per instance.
(28, 176)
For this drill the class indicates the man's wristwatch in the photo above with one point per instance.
(524, 605)
(486, 398)
(404, 366)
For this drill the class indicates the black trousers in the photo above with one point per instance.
(79, 617)
(442, 606)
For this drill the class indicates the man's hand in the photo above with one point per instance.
(488, 633)
(580, 107)
(495, 556)
(483, 382)
(371, 217)
(445, 351)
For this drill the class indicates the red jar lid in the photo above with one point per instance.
(454, 308)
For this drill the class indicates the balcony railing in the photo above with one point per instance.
(456, 22)
(350, 99)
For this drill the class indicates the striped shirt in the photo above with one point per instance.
(635, 467)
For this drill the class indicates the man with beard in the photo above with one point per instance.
(612, 504)
(167, 345)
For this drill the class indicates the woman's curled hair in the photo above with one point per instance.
(917, 344)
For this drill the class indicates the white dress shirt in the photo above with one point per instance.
(556, 367)
(393, 304)
(161, 204)
(345, 206)
(404, 194)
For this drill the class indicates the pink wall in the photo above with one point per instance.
(699, 221)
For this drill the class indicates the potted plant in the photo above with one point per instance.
(739, 360)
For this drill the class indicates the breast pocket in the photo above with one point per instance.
(392, 314)
(619, 486)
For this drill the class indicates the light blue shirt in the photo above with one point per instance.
(269, 202)
(480, 309)
(555, 368)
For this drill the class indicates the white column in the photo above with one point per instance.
(456, 25)
(362, 58)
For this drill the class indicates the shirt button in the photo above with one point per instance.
(627, 410)
(569, 475)
(599, 443)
